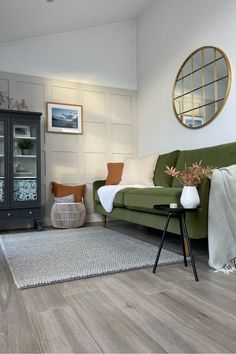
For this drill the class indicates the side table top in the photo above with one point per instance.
(179, 209)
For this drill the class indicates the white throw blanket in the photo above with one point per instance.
(222, 220)
(107, 194)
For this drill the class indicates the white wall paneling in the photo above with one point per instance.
(95, 137)
(65, 164)
(64, 140)
(120, 157)
(109, 131)
(95, 164)
(33, 93)
(94, 106)
(122, 139)
(64, 94)
(4, 87)
(121, 109)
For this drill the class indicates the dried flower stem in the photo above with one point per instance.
(190, 176)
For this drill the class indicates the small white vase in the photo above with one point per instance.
(189, 198)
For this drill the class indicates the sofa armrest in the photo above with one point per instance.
(98, 184)
(203, 191)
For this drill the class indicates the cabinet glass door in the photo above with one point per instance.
(2, 162)
(25, 162)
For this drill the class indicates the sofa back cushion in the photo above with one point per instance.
(217, 156)
(160, 178)
(139, 170)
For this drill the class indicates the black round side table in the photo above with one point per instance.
(180, 213)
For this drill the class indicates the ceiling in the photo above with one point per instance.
(28, 18)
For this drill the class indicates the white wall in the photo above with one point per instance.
(109, 131)
(166, 34)
(104, 55)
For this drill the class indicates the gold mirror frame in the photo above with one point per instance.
(219, 103)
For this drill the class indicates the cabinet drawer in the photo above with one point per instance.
(20, 214)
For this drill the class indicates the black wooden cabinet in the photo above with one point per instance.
(20, 172)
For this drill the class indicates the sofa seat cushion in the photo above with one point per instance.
(144, 199)
(119, 198)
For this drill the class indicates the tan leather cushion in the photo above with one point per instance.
(62, 190)
(114, 172)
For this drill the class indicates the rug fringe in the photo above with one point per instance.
(229, 267)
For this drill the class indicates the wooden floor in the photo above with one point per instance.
(132, 312)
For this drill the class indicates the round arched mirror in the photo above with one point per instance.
(201, 87)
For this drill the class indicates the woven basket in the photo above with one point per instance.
(68, 215)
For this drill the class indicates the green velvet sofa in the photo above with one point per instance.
(136, 205)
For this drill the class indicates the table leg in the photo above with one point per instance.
(182, 236)
(161, 245)
(104, 220)
(189, 247)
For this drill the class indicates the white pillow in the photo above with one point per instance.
(139, 171)
(67, 199)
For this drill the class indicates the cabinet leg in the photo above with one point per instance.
(38, 224)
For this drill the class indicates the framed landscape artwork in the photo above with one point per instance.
(64, 118)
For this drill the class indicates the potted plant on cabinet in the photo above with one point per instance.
(25, 146)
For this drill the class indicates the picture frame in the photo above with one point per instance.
(193, 121)
(21, 131)
(64, 118)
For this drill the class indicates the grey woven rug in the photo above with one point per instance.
(40, 258)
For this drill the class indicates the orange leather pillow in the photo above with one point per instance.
(62, 190)
(114, 172)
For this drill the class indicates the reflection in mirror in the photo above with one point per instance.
(187, 84)
(187, 68)
(197, 80)
(197, 60)
(209, 72)
(209, 55)
(201, 87)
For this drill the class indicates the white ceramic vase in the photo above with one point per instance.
(189, 198)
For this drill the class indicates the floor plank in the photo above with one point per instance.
(167, 318)
(42, 298)
(135, 311)
(16, 333)
(110, 327)
(61, 331)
